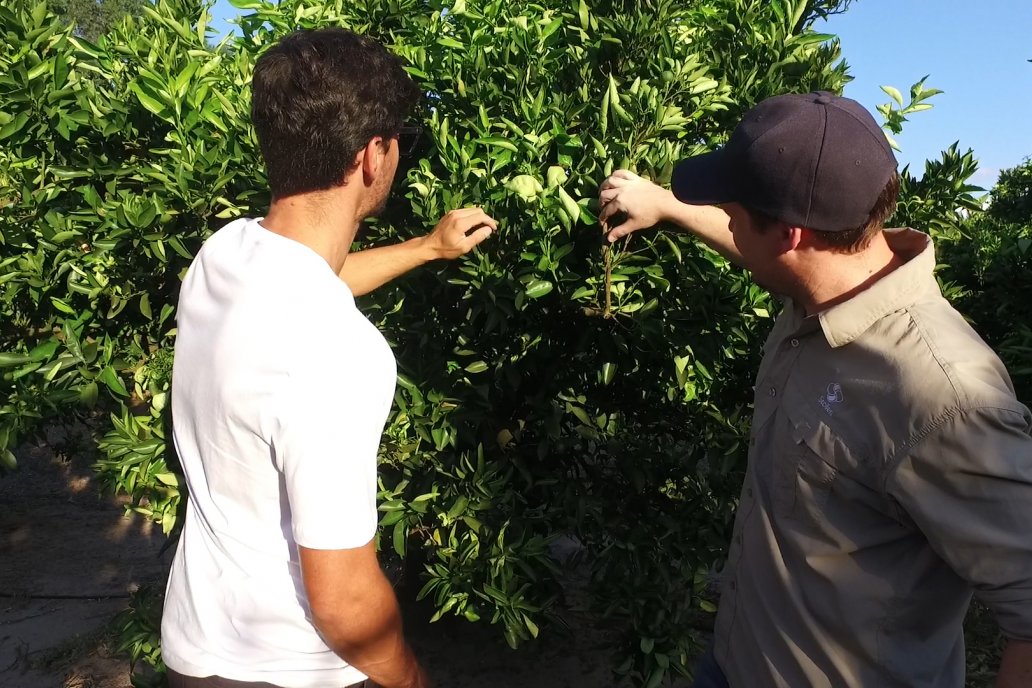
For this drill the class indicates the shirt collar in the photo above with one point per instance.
(903, 287)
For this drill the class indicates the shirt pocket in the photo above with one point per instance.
(814, 460)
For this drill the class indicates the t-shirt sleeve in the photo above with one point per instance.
(968, 487)
(330, 425)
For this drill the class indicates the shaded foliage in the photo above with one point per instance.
(990, 263)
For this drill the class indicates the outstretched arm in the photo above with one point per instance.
(644, 204)
(456, 234)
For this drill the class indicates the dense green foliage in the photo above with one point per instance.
(990, 261)
(549, 386)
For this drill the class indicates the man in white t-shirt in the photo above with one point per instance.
(281, 389)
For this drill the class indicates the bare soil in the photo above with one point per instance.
(70, 558)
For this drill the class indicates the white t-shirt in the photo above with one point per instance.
(280, 392)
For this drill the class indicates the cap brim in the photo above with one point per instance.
(704, 180)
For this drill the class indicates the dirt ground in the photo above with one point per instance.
(70, 558)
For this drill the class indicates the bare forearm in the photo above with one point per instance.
(707, 223)
(458, 233)
(364, 271)
(368, 635)
(1016, 665)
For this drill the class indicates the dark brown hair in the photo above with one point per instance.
(850, 240)
(318, 97)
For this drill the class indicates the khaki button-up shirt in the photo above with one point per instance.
(889, 477)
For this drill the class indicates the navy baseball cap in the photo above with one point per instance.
(812, 160)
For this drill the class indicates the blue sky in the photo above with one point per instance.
(977, 52)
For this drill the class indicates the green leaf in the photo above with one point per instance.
(499, 142)
(538, 288)
(88, 394)
(569, 205)
(555, 176)
(169, 479)
(62, 306)
(110, 378)
(10, 360)
(894, 94)
(148, 101)
(400, 537)
(657, 675)
(476, 367)
(45, 350)
(39, 14)
(525, 185)
(60, 71)
(581, 415)
(457, 508)
(14, 126)
(449, 42)
(531, 626)
(552, 27)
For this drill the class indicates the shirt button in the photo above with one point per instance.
(733, 585)
(795, 343)
(773, 392)
(748, 492)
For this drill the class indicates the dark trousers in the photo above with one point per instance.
(177, 680)
(708, 673)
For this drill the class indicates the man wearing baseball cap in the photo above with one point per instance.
(890, 464)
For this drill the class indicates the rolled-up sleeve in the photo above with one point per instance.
(968, 486)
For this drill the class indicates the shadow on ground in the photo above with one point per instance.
(71, 557)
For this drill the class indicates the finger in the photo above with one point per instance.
(453, 216)
(608, 210)
(615, 182)
(475, 238)
(620, 232)
(475, 220)
(608, 195)
(463, 212)
(625, 175)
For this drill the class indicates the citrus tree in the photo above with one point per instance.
(989, 263)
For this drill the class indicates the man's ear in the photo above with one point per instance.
(789, 237)
(371, 159)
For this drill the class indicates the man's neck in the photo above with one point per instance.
(838, 277)
(325, 222)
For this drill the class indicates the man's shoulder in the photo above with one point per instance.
(904, 377)
(955, 359)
